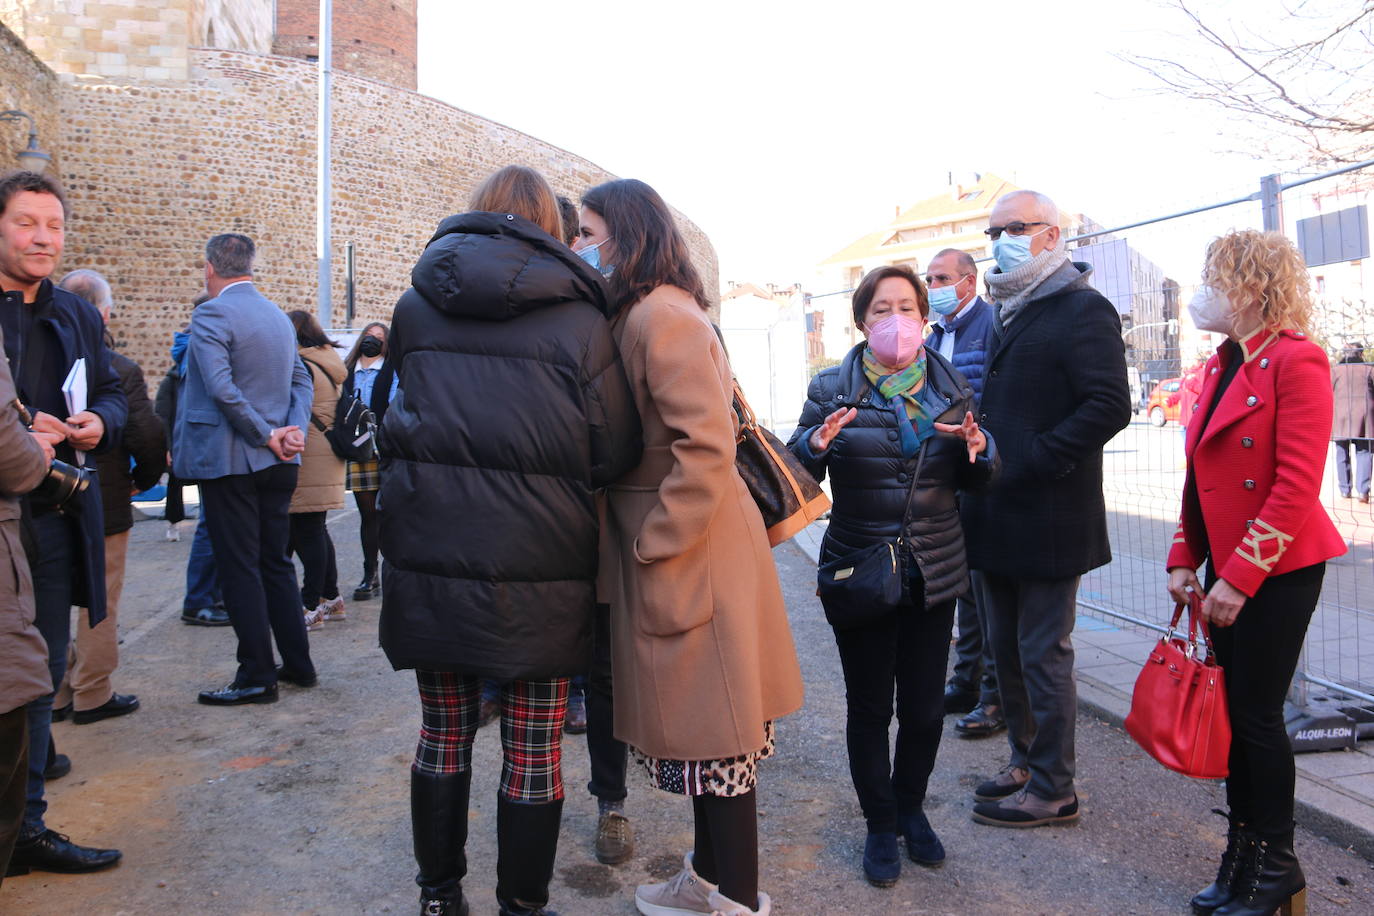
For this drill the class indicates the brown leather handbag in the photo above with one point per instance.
(787, 495)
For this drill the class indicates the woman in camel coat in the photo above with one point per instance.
(320, 485)
(702, 653)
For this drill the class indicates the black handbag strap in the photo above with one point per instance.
(314, 420)
(911, 493)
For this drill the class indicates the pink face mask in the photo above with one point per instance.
(897, 340)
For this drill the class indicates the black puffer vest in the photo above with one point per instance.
(870, 479)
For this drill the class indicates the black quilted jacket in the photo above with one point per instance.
(870, 479)
(513, 409)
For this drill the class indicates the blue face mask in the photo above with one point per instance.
(944, 300)
(1011, 251)
(592, 256)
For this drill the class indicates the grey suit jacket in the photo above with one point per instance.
(243, 379)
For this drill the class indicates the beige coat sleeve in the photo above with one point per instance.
(22, 464)
(683, 381)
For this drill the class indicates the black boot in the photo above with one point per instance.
(1220, 891)
(439, 821)
(1269, 879)
(526, 844)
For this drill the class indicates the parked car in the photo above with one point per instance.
(1163, 405)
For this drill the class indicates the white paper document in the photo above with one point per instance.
(74, 388)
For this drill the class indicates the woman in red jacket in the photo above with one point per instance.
(1251, 510)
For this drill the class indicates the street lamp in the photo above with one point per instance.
(32, 158)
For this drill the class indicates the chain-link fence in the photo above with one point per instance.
(1150, 270)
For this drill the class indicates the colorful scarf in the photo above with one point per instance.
(901, 389)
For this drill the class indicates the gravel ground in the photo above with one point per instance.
(302, 806)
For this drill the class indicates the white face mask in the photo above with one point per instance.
(1211, 310)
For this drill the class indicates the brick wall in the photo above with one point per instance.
(154, 169)
(372, 38)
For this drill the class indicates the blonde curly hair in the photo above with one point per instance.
(1262, 272)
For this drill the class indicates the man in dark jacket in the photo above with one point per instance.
(1352, 385)
(965, 333)
(24, 460)
(135, 464)
(50, 333)
(1054, 393)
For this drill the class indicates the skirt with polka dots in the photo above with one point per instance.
(730, 776)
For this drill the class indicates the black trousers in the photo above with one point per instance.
(606, 755)
(14, 774)
(904, 652)
(249, 527)
(1259, 653)
(974, 668)
(310, 541)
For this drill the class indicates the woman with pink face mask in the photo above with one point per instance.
(893, 427)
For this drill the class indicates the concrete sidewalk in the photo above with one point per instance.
(1335, 789)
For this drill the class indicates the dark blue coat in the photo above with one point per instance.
(975, 337)
(80, 332)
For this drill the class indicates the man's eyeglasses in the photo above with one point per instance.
(1015, 227)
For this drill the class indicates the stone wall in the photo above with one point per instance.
(144, 40)
(155, 168)
(28, 85)
(372, 38)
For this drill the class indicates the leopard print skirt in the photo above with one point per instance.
(726, 777)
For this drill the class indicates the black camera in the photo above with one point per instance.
(62, 487)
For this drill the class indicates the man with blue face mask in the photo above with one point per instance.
(965, 333)
(1054, 392)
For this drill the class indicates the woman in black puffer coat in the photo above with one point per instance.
(513, 409)
(872, 443)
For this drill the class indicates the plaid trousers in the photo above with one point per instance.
(531, 732)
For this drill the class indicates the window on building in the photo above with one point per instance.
(1321, 286)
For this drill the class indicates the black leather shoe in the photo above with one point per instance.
(61, 713)
(957, 699)
(119, 704)
(370, 587)
(986, 719)
(51, 851)
(205, 617)
(236, 695)
(59, 765)
(297, 680)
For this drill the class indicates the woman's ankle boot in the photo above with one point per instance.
(526, 845)
(1220, 891)
(1270, 879)
(439, 821)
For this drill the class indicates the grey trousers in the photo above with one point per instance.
(1030, 625)
(974, 668)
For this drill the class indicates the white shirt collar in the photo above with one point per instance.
(235, 283)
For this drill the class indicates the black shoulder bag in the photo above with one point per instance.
(863, 586)
(353, 437)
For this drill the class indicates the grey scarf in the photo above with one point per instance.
(1011, 290)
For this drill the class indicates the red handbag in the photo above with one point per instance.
(1178, 710)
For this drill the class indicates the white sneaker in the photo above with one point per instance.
(724, 906)
(173, 532)
(314, 620)
(684, 894)
(333, 609)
